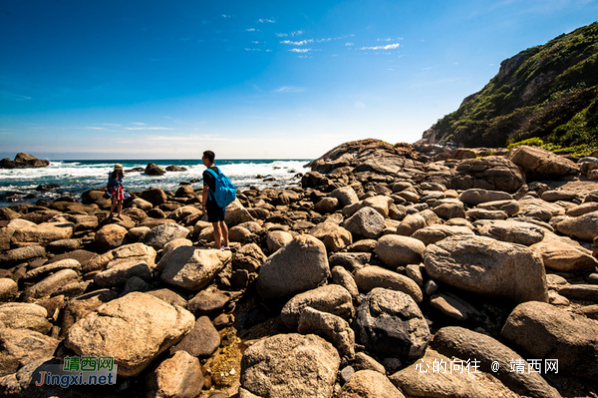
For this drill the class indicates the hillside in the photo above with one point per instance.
(549, 92)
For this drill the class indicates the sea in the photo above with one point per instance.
(73, 177)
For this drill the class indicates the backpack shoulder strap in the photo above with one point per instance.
(213, 173)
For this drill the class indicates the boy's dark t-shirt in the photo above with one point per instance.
(210, 181)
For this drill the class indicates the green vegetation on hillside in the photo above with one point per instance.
(548, 92)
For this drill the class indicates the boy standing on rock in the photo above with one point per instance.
(210, 206)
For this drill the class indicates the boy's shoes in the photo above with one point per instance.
(225, 248)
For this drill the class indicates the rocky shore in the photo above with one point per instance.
(23, 161)
(391, 271)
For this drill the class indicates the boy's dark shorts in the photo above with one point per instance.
(215, 213)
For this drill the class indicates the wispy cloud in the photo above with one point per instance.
(266, 20)
(292, 34)
(300, 50)
(148, 128)
(111, 124)
(94, 128)
(225, 16)
(251, 29)
(349, 44)
(289, 89)
(386, 47)
(297, 43)
(389, 39)
(12, 96)
(139, 124)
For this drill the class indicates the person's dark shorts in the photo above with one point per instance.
(215, 213)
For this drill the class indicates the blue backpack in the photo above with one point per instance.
(225, 192)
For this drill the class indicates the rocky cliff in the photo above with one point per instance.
(548, 91)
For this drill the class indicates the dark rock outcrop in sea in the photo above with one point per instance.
(23, 161)
(391, 271)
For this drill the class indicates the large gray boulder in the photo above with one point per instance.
(289, 365)
(134, 329)
(584, 227)
(540, 163)
(389, 323)
(396, 250)
(369, 278)
(366, 223)
(331, 327)
(488, 267)
(192, 268)
(334, 299)
(511, 231)
(547, 332)
(158, 236)
(300, 265)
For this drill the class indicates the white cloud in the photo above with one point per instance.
(292, 34)
(289, 89)
(297, 43)
(226, 16)
(266, 20)
(300, 50)
(94, 128)
(252, 49)
(139, 124)
(281, 34)
(349, 44)
(325, 39)
(255, 42)
(250, 29)
(148, 128)
(112, 124)
(386, 47)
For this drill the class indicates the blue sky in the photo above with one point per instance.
(250, 79)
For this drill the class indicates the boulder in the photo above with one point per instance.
(562, 255)
(50, 284)
(450, 209)
(540, 163)
(331, 327)
(179, 376)
(277, 239)
(192, 268)
(25, 316)
(488, 267)
(334, 237)
(155, 196)
(42, 234)
(414, 222)
(289, 365)
(390, 323)
(511, 231)
(201, 341)
(8, 289)
(118, 275)
(420, 380)
(369, 278)
(148, 325)
(396, 250)
(492, 172)
(158, 236)
(236, 213)
(475, 196)
(249, 257)
(21, 255)
(435, 233)
(344, 278)
(548, 332)
(511, 207)
(469, 345)
(21, 346)
(135, 252)
(584, 227)
(302, 264)
(366, 223)
(110, 236)
(346, 195)
(333, 299)
(153, 170)
(326, 205)
(369, 384)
